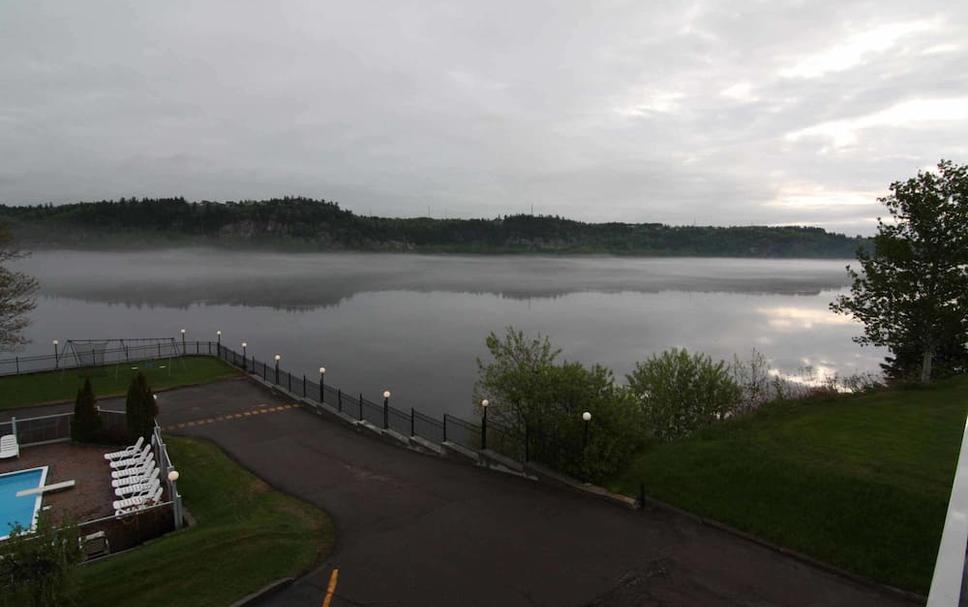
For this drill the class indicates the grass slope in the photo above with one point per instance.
(861, 482)
(51, 386)
(247, 535)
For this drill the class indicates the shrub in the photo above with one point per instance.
(753, 378)
(530, 392)
(679, 393)
(39, 569)
(140, 408)
(86, 424)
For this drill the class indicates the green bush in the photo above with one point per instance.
(530, 392)
(86, 424)
(678, 393)
(39, 569)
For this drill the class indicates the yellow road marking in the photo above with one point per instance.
(333, 578)
(212, 420)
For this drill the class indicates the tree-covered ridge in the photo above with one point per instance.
(318, 224)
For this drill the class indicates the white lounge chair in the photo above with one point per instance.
(127, 452)
(137, 479)
(141, 470)
(9, 446)
(136, 503)
(133, 490)
(134, 461)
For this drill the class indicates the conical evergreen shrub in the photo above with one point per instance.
(86, 425)
(140, 408)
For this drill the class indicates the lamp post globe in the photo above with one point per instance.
(173, 475)
(386, 409)
(484, 404)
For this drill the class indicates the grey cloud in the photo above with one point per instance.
(604, 111)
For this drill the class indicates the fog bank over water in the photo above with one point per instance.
(180, 277)
(416, 324)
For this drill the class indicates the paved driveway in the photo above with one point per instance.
(419, 530)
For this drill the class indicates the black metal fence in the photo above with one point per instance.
(520, 445)
(124, 353)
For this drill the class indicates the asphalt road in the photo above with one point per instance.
(420, 530)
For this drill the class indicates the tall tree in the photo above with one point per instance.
(913, 293)
(16, 295)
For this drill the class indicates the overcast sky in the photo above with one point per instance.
(702, 112)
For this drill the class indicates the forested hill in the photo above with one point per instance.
(301, 223)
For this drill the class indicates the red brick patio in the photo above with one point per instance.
(92, 494)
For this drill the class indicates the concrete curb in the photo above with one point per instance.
(455, 451)
(265, 591)
(548, 475)
(422, 444)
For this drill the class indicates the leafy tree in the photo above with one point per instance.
(531, 393)
(140, 408)
(38, 569)
(16, 296)
(913, 294)
(86, 425)
(679, 393)
(518, 378)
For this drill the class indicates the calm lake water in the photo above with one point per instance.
(416, 324)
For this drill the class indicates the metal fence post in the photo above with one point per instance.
(290, 380)
(339, 400)
(411, 422)
(17, 360)
(177, 507)
(304, 385)
(361, 406)
(386, 413)
(13, 425)
(445, 427)
(527, 443)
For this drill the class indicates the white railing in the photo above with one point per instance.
(949, 569)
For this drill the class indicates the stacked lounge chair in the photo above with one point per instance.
(127, 452)
(138, 502)
(9, 446)
(135, 478)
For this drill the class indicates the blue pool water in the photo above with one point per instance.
(15, 509)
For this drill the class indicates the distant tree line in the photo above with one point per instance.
(319, 224)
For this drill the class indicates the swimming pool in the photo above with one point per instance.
(22, 510)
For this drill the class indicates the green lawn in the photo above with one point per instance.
(52, 386)
(247, 535)
(861, 482)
